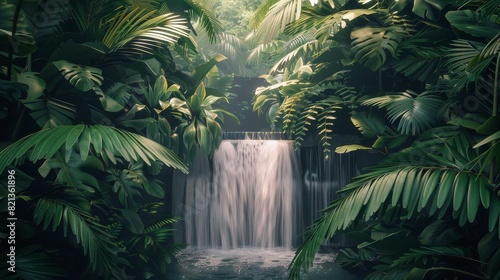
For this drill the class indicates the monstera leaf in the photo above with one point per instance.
(427, 9)
(81, 77)
(373, 45)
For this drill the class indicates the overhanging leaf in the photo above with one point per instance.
(370, 125)
(471, 22)
(114, 141)
(373, 45)
(350, 148)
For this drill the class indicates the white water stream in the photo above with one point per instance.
(250, 197)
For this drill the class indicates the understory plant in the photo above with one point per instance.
(97, 115)
(419, 81)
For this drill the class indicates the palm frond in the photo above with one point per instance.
(433, 190)
(281, 13)
(299, 112)
(85, 12)
(230, 46)
(257, 53)
(463, 64)
(488, 8)
(419, 59)
(71, 214)
(261, 12)
(490, 50)
(472, 23)
(140, 31)
(426, 254)
(206, 19)
(105, 141)
(301, 46)
(327, 22)
(51, 112)
(414, 114)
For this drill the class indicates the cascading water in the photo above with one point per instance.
(248, 197)
(258, 192)
(257, 196)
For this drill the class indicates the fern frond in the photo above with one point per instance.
(162, 223)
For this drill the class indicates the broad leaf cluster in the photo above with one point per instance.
(419, 81)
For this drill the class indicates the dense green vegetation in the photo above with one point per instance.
(96, 114)
(99, 100)
(420, 82)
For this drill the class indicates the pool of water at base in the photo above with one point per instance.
(250, 263)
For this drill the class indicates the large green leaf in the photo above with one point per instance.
(440, 233)
(74, 172)
(201, 71)
(81, 77)
(369, 125)
(70, 211)
(426, 9)
(372, 46)
(472, 23)
(36, 85)
(489, 252)
(51, 112)
(132, 221)
(10, 93)
(374, 191)
(414, 113)
(138, 31)
(109, 143)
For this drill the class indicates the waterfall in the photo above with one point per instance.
(257, 193)
(249, 196)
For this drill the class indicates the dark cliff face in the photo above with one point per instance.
(241, 105)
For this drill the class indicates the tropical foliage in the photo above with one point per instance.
(419, 81)
(96, 116)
